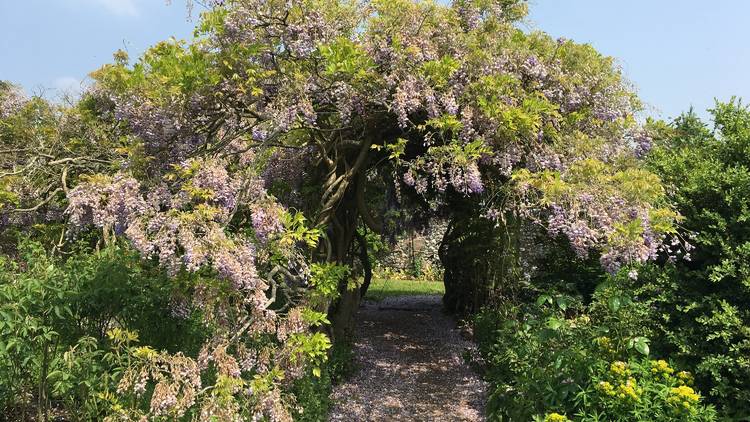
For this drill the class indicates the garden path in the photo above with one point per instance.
(410, 366)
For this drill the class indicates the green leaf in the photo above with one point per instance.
(53, 374)
(614, 303)
(541, 300)
(11, 343)
(554, 323)
(641, 345)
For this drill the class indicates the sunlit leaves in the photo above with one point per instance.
(296, 230)
(170, 68)
(345, 57)
(446, 124)
(439, 72)
(327, 277)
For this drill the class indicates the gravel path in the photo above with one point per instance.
(410, 367)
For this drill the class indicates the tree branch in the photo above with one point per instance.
(41, 204)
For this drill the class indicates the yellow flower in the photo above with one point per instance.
(661, 367)
(683, 397)
(145, 352)
(605, 343)
(556, 417)
(629, 390)
(620, 369)
(606, 388)
(686, 392)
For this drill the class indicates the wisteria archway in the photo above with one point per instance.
(257, 155)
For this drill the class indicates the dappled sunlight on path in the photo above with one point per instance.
(410, 367)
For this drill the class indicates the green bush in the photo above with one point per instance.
(696, 310)
(341, 360)
(702, 305)
(555, 357)
(56, 354)
(312, 392)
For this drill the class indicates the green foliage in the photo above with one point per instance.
(34, 313)
(340, 364)
(584, 363)
(702, 305)
(313, 348)
(296, 230)
(312, 391)
(695, 310)
(76, 331)
(480, 260)
(438, 72)
(55, 317)
(344, 57)
(640, 390)
(312, 401)
(376, 246)
(326, 278)
(169, 69)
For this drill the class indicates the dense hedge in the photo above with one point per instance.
(702, 305)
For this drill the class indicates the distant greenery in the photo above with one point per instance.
(383, 288)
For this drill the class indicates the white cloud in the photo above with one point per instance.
(119, 7)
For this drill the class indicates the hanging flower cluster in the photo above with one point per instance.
(182, 222)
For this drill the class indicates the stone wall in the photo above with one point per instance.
(417, 251)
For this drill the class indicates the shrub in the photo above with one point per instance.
(558, 359)
(56, 356)
(43, 363)
(311, 393)
(640, 390)
(702, 305)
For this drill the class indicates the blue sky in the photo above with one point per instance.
(52, 45)
(677, 52)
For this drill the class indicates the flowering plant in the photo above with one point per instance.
(559, 360)
(243, 163)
